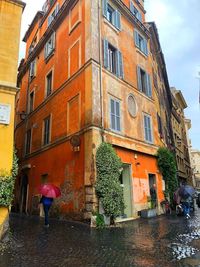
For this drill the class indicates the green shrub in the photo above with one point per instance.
(108, 186)
(167, 166)
(100, 221)
(7, 183)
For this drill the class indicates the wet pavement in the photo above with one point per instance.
(165, 241)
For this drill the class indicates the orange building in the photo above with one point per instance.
(87, 78)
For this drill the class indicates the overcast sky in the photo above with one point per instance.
(178, 25)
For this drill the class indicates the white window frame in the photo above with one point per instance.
(116, 15)
(49, 46)
(53, 15)
(32, 70)
(46, 82)
(43, 131)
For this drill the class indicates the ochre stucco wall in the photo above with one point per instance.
(10, 20)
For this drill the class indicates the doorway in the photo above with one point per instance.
(125, 180)
(152, 180)
(24, 193)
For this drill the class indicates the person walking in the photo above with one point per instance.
(153, 195)
(46, 202)
(186, 206)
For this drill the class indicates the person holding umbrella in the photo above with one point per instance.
(186, 193)
(48, 192)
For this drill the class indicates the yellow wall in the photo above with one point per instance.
(10, 22)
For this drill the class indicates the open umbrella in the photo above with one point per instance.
(49, 190)
(186, 191)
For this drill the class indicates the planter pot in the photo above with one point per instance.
(106, 219)
(148, 213)
(93, 221)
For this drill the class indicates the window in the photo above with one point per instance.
(46, 137)
(147, 129)
(31, 101)
(53, 15)
(28, 142)
(135, 11)
(49, 83)
(32, 70)
(160, 126)
(155, 80)
(144, 82)
(49, 46)
(112, 15)
(113, 60)
(141, 43)
(33, 45)
(115, 115)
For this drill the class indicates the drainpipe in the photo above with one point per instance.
(100, 62)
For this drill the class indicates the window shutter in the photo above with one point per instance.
(105, 46)
(49, 20)
(139, 78)
(146, 127)
(57, 9)
(120, 70)
(117, 22)
(145, 47)
(46, 50)
(136, 37)
(117, 115)
(139, 15)
(149, 89)
(132, 8)
(104, 8)
(53, 40)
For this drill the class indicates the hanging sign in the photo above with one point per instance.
(5, 110)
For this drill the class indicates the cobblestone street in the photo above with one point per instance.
(161, 242)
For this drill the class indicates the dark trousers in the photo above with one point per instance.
(46, 213)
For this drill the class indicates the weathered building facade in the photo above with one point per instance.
(10, 24)
(87, 78)
(184, 172)
(196, 167)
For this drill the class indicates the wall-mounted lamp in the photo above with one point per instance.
(137, 163)
(75, 142)
(22, 115)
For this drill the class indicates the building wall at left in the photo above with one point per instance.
(10, 23)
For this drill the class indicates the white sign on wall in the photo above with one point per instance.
(5, 110)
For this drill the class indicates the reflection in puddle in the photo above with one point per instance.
(182, 248)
